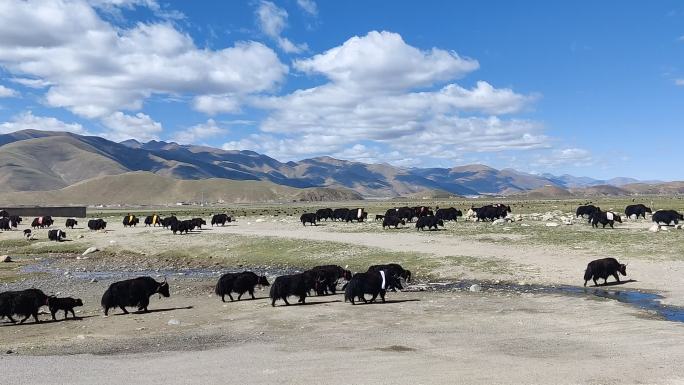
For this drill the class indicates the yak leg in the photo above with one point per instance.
(286, 303)
(251, 292)
(240, 296)
(73, 314)
(382, 296)
(302, 299)
(595, 281)
(53, 312)
(223, 298)
(374, 297)
(35, 316)
(617, 277)
(66, 313)
(273, 302)
(123, 308)
(585, 283)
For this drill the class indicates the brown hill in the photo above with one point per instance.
(146, 188)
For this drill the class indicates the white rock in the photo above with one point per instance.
(499, 222)
(90, 250)
(80, 337)
(525, 225)
(112, 242)
(655, 228)
(174, 322)
(475, 288)
(259, 220)
(6, 258)
(81, 236)
(552, 224)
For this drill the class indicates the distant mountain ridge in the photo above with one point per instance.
(33, 160)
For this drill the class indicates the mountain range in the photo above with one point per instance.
(33, 160)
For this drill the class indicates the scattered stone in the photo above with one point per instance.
(90, 250)
(112, 242)
(552, 224)
(174, 322)
(499, 222)
(80, 337)
(525, 225)
(655, 228)
(93, 280)
(475, 288)
(6, 258)
(81, 236)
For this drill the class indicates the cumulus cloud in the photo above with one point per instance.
(200, 132)
(28, 121)
(309, 6)
(93, 68)
(679, 82)
(272, 20)
(382, 89)
(577, 157)
(6, 92)
(139, 126)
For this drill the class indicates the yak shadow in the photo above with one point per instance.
(614, 283)
(138, 312)
(388, 301)
(48, 321)
(282, 304)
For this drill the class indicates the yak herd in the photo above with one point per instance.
(321, 280)
(136, 292)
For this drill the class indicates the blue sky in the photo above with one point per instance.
(586, 88)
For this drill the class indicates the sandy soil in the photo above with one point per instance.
(419, 338)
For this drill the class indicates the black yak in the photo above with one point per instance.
(603, 268)
(97, 224)
(308, 218)
(667, 217)
(449, 214)
(372, 283)
(340, 214)
(56, 235)
(295, 285)
(587, 210)
(24, 303)
(604, 218)
(42, 222)
(239, 283)
(5, 224)
(184, 226)
(70, 223)
(379, 217)
(392, 221)
(27, 233)
(356, 215)
(492, 212)
(198, 222)
(130, 220)
(134, 292)
(322, 214)
(67, 304)
(429, 222)
(329, 275)
(393, 268)
(220, 219)
(169, 221)
(152, 220)
(638, 210)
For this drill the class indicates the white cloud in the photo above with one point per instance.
(31, 83)
(6, 92)
(382, 60)
(577, 157)
(214, 104)
(374, 94)
(94, 68)
(309, 6)
(272, 20)
(28, 121)
(140, 127)
(199, 132)
(679, 82)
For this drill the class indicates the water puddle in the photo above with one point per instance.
(635, 298)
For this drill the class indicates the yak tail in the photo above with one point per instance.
(217, 289)
(587, 274)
